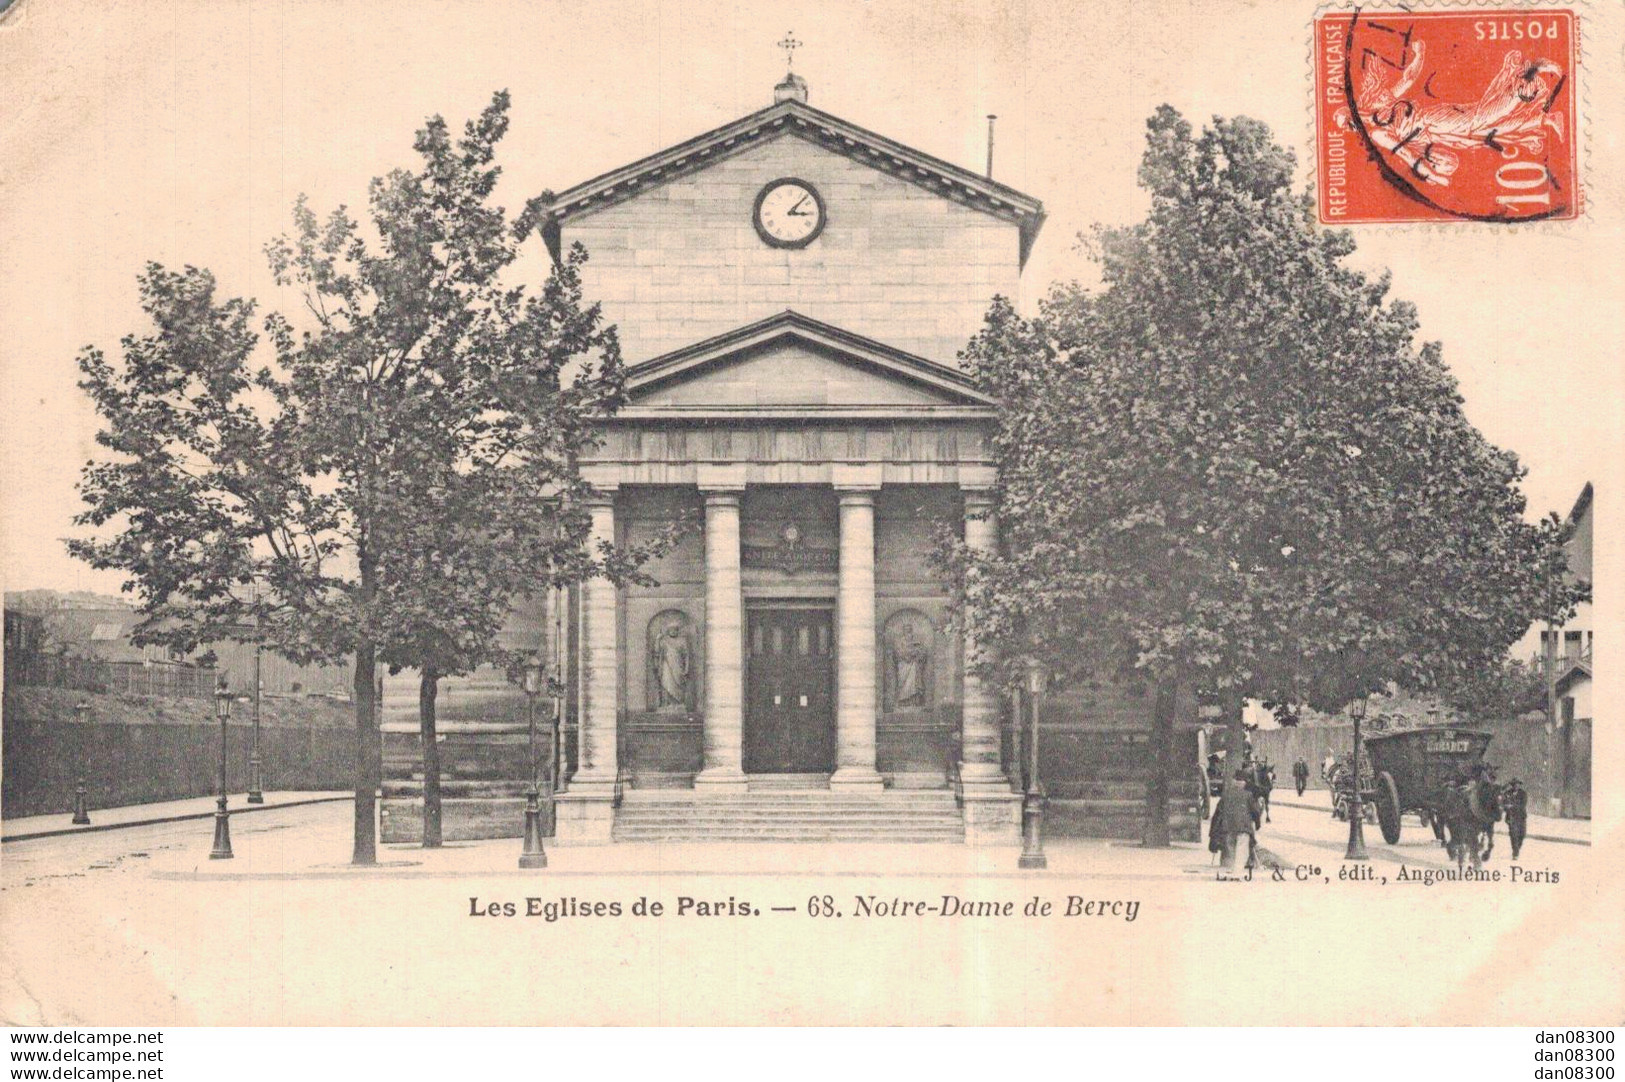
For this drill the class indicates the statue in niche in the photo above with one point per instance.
(908, 661)
(671, 662)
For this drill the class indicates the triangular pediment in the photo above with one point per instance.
(800, 120)
(791, 362)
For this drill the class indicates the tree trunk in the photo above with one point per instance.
(368, 767)
(1234, 712)
(428, 689)
(1154, 832)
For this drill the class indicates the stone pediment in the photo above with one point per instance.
(800, 120)
(791, 364)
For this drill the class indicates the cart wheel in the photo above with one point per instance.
(1388, 807)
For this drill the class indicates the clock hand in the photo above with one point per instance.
(797, 211)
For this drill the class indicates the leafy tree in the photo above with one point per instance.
(402, 471)
(1508, 690)
(1230, 468)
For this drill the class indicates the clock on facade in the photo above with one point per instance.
(789, 213)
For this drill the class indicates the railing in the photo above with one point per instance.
(130, 678)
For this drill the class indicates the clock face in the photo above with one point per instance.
(789, 213)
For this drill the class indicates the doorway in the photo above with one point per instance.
(789, 690)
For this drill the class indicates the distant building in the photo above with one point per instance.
(25, 633)
(96, 628)
(1565, 650)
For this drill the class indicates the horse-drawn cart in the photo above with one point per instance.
(1416, 770)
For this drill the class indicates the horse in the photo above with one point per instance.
(1262, 782)
(1468, 812)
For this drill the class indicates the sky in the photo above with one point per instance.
(183, 132)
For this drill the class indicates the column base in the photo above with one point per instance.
(983, 776)
(720, 780)
(856, 779)
(585, 813)
(992, 815)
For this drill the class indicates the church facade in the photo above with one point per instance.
(791, 291)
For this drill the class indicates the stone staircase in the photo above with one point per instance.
(789, 815)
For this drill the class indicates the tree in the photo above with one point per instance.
(1231, 470)
(414, 440)
(1508, 690)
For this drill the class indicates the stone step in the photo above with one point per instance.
(722, 814)
(709, 811)
(790, 814)
(787, 796)
(879, 825)
(684, 837)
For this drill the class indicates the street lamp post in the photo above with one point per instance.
(222, 821)
(81, 804)
(256, 778)
(1356, 849)
(533, 856)
(1032, 804)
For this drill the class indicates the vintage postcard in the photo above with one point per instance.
(858, 513)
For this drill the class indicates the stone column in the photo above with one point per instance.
(586, 810)
(724, 733)
(992, 807)
(855, 699)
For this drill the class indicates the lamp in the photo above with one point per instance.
(1032, 804)
(81, 805)
(1356, 847)
(222, 822)
(533, 855)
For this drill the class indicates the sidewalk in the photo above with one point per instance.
(1541, 827)
(321, 851)
(168, 811)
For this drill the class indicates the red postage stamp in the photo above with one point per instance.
(1464, 115)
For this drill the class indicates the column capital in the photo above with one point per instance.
(978, 502)
(855, 478)
(720, 479)
(600, 476)
(600, 496)
(978, 478)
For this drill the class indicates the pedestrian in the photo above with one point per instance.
(1233, 817)
(1300, 775)
(1515, 806)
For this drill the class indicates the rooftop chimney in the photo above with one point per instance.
(794, 86)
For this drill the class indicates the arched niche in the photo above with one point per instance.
(908, 662)
(672, 678)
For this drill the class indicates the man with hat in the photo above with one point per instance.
(1515, 806)
(1233, 817)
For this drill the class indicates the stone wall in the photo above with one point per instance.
(682, 261)
(128, 755)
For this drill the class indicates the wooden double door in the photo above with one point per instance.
(789, 690)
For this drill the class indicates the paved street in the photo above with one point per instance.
(137, 925)
(1303, 832)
